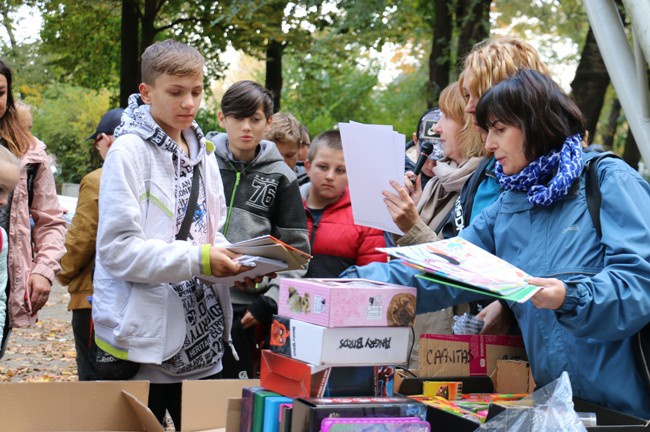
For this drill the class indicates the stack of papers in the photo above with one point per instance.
(374, 155)
(266, 254)
(461, 264)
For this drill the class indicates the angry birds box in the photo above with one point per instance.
(339, 346)
(347, 302)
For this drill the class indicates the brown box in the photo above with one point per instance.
(111, 406)
(467, 355)
(513, 376)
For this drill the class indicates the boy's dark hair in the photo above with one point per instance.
(330, 139)
(170, 57)
(537, 105)
(243, 98)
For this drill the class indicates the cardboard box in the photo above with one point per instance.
(308, 413)
(513, 376)
(77, 406)
(339, 346)
(347, 302)
(205, 402)
(466, 355)
(294, 378)
(111, 405)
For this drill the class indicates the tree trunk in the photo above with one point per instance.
(631, 153)
(440, 57)
(590, 83)
(148, 24)
(130, 52)
(473, 18)
(273, 82)
(612, 124)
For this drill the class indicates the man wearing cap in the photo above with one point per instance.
(78, 263)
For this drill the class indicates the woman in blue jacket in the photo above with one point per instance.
(596, 293)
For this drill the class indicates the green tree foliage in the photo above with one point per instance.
(548, 23)
(65, 117)
(323, 88)
(82, 41)
(402, 102)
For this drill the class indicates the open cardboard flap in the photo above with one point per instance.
(148, 420)
(204, 403)
(74, 406)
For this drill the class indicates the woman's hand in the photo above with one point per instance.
(552, 294)
(39, 291)
(496, 318)
(413, 185)
(401, 207)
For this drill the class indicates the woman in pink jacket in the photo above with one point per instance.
(34, 252)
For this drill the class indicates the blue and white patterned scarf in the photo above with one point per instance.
(550, 176)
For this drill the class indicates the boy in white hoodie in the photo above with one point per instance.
(155, 318)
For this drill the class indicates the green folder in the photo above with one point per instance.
(258, 408)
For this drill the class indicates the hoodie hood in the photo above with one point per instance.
(267, 151)
(137, 120)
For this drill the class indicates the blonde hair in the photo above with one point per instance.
(495, 59)
(452, 104)
(170, 57)
(286, 129)
(23, 110)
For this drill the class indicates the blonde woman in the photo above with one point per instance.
(422, 215)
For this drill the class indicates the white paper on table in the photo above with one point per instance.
(374, 155)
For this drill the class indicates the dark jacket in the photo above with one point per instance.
(262, 198)
(336, 242)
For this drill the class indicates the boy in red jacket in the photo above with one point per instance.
(336, 242)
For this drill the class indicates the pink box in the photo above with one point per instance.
(347, 302)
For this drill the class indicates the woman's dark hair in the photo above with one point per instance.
(536, 104)
(4, 70)
(243, 98)
(17, 139)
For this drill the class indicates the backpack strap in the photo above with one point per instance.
(31, 176)
(641, 340)
(592, 189)
(184, 230)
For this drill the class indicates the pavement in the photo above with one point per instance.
(46, 351)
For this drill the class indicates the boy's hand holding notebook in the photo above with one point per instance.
(265, 255)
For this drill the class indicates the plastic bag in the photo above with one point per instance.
(548, 409)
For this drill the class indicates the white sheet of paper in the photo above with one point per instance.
(374, 155)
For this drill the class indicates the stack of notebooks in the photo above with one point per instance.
(265, 254)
